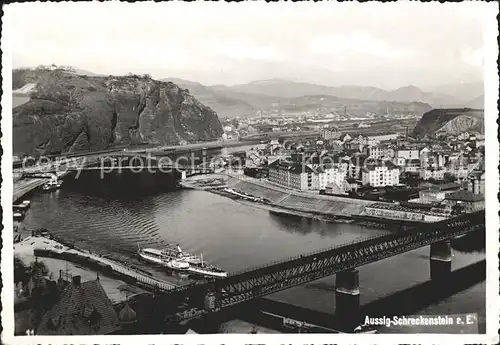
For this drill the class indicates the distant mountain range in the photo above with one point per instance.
(244, 99)
(247, 99)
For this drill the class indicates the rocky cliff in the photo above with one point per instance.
(68, 112)
(450, 121)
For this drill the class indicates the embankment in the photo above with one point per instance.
(49, 248)
(300, 201)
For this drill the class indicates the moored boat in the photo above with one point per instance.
(22, 205)
(156, 256)
(52, 185)
(197, 265)
(206, 269)
(173, 257)
(18, 216)
(175, 252)
(19, 207)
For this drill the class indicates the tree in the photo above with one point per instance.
(457, 209)
(449, 177)
(235, 123)
(23, 273)
(20, 271)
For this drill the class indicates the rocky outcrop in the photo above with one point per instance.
(69, 112)
(450, 121)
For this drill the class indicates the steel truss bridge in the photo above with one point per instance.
(184, 303)
(114, 161)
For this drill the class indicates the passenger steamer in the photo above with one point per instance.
(158, 257)
(173, 257)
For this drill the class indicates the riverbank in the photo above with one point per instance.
(24, 187)
(116, 290)
(282, 201)
(49, 249)
(309, 203)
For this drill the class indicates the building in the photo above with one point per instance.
(331, 175)
(408, 153)
(436, 174)
(331, 133)
(476, 183)
(378, 175)
(376, 152)
(435, 193)
(464, 201)
(83, 308)
(355, 165)
(460, 172)
(293, 175)
(305, 176)
(336, 189)
(412, 166)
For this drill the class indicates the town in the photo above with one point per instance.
(444, 174)
(249, 170)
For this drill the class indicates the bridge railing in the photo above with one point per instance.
(428, 227)
(307, 254)
(467, 218)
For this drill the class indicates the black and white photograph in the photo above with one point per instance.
(196, 172)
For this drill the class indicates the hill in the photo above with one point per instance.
(289, 89)
(476, 103)
(69, 112)
(224, 102)
(450, 121)
(461, 91)
(354, 107)
(246, 99)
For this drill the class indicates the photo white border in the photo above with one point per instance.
(492, 221)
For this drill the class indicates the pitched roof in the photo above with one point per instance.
(127, 314)
(388, 164)
(294, 168)
(83, 309)
(464, 195)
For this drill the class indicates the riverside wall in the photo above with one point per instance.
(300, 201)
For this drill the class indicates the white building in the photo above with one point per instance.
(305, 177)
(436, 174)
(376, 152)
(329, 175)
(408, 154)
(386, 174)
(328, 134)
(293, 175)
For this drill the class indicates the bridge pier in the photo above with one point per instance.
(347, 295)
(440, 260)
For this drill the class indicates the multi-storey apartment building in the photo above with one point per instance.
(379, 175)
(436, 174)
(293, 175)
(408, 153)
(305, 176)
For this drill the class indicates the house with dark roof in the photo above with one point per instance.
(83, 309)
(464, 201)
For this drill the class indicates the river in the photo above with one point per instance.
(114, 215)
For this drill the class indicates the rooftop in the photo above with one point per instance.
(464, 195)
(83, 308)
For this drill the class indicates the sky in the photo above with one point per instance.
(374, 44)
